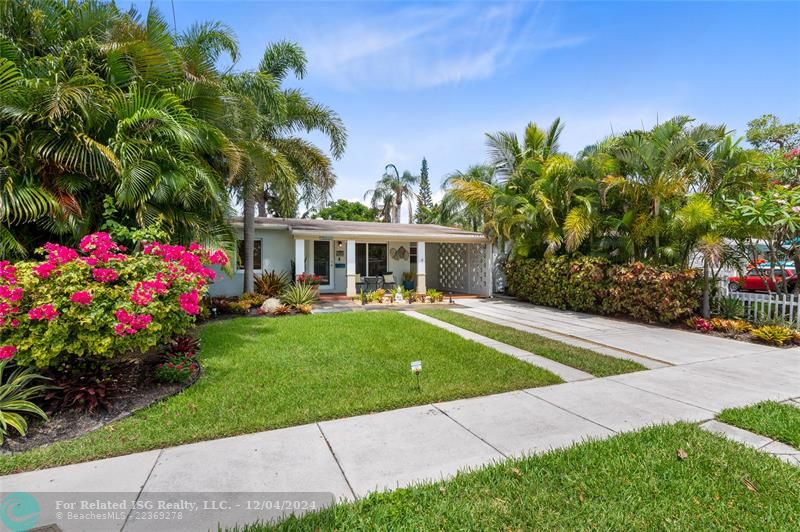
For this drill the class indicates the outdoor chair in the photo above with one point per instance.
(388, 280)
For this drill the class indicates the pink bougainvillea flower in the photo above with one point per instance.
(190, 302)
(58, 255)
(130, 323)
(11, 294)
(104, 275)
(8, 273)
(43, 312)
(81, 298)
(218, 257)
(44, 270)
(7, 351)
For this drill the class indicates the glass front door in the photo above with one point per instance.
(323, 261)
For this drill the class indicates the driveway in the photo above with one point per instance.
(672, 346)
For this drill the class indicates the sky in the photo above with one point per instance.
(429, 79)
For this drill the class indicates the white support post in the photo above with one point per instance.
(299, 257)
(489, 290)
(351, 268)
(421, 268)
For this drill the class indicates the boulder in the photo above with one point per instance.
(269, 306)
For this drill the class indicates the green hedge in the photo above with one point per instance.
(639, 291)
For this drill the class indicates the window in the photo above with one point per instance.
(256, 255)
(370, 259)
(412, 254)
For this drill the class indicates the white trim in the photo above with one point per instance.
(377, 238)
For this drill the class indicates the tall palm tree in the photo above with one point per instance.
(453, 210)
(391, 190)
(278, 168)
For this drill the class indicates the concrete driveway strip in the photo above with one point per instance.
(292, 464)
(393, 449)
(617, 406)
(567, 373)
(517, 423)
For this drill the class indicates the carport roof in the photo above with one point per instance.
(312, 228)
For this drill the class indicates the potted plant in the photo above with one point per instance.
(311, 280)
(408, 280)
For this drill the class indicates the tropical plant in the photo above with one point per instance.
(304, 309)
(435, 295)
(281, 310)
(731, 326)
(176, 367)
(773, 334)
(391, 190)
(271, 283)
(17, 390)
(730, 307)
(299, 294)
(700, 324)
(96, 102)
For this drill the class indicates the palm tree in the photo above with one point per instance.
(96, 103)
(453, 210)
(278, 169)
(391, 190)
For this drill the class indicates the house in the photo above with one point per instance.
(344, 253)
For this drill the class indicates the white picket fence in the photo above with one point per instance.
(767, 306)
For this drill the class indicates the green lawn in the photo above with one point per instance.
(633, 481)
(576, 357)
(268, 373)
(775, 420)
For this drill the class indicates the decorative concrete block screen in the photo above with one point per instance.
(463, 268)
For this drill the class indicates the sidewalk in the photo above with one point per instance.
(351, 457)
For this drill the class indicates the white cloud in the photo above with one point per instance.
(423, 47)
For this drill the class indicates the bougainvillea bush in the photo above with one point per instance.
(643, 292)
(97, 302)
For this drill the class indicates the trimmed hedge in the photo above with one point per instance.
(587, 284)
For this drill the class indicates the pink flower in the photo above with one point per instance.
(130, 323)
(81, 298)
(8, 272)
(11, 294)
(104, 275)
(7, 351)
(101, 247)
(44, 312)
(58, 255)
(44, 270)
(190, 302)
(218, 257)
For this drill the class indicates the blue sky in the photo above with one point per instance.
(429, 79)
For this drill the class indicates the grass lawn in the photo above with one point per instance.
(576, 357)
(268, 373)
(632, 481)
(775, 420)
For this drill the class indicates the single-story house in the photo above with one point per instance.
(344, 253)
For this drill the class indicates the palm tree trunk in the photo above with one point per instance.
(262, 204)
(656, 209)
(249, 232)
(706, 290)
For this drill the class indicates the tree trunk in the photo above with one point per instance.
(262, 204)
(706, 290)
(249, 232)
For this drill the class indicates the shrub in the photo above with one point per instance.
(88, 391)
(281, 310)
(773, 334)
(589, 284)
(730, 307)
(16, 392)
(249, 301)
(304, 309)
(435, 295)
(97, 302)
(699, 324)
(176, 368)
(731, 326)
(376, 296)
(299, 294)
(271, 284)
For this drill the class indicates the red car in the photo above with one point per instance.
(754, 280)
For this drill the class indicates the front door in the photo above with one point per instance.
(323, 262)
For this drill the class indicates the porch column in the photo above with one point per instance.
(489, 290)
(299, 257)
(351, 268)
(421, 286)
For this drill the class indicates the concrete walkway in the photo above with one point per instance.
(567, 373)
(347, 458)
(654, 343)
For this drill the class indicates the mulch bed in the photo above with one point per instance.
(134, 388)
